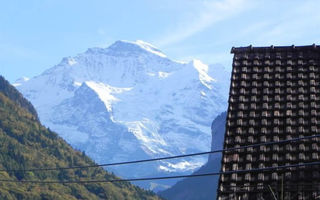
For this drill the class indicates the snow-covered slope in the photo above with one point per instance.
(129, 101)
(202, 188)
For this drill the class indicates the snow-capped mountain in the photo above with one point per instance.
(130, 101)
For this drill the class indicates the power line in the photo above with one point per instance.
(165, 177)
(164, 158)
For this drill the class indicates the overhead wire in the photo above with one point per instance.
(164, 158)
(165, 177)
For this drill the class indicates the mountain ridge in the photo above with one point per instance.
(153, 105)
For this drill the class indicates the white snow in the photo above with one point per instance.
(150, 48)
(105, 92)
(20, 81)
(180, 166)
(72, 61)
(163, 74)
(77, 84)
(129, 101)
(203, 73)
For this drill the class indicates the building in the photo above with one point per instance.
(274, 95)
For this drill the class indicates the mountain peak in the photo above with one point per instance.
(128, 99)
(124, 47)
(137, 46)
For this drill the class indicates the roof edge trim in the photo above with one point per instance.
(251, 49)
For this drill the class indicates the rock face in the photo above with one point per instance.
(129, 101)
(218, 129)
(202, 188)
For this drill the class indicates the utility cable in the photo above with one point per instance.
(166, 177)
(164, 158)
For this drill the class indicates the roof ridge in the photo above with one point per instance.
(250, 48)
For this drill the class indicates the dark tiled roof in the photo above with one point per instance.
(274, 95)
(251, 49)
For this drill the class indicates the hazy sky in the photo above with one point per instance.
(36, 34)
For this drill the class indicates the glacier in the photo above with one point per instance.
(130, 101)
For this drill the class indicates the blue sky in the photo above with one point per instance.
(36, 34)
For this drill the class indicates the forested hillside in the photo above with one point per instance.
(25, 144)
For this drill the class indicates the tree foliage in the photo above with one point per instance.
(25, 143)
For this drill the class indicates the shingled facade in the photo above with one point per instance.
(274, 95)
